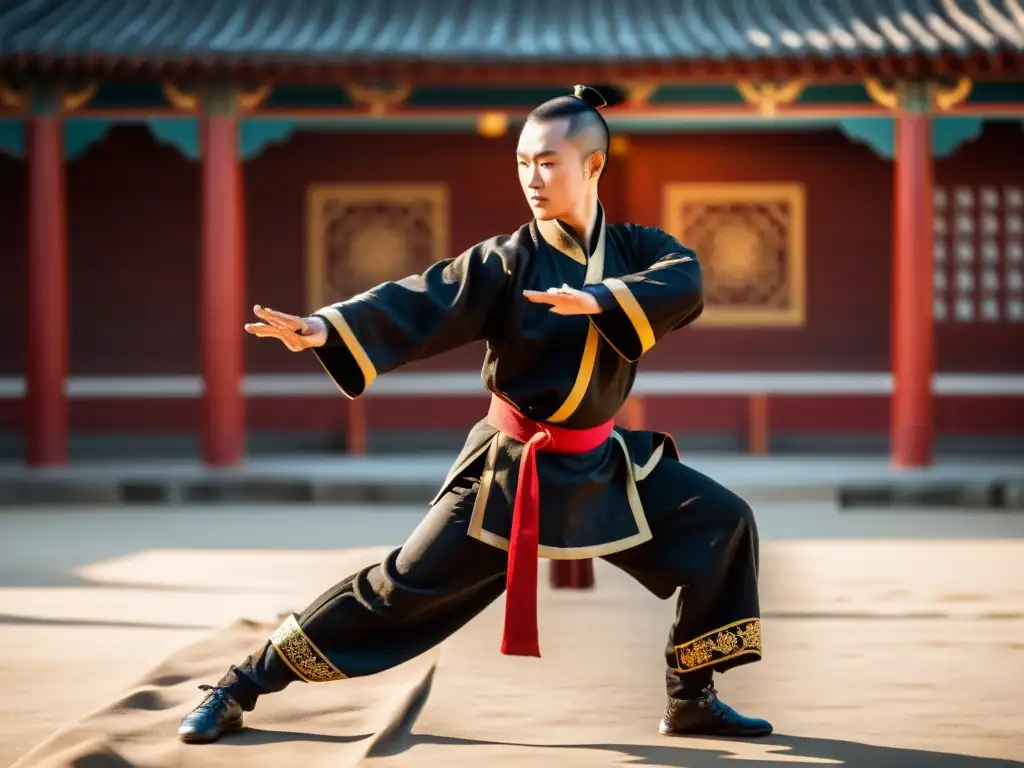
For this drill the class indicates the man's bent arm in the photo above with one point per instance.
(639, 309)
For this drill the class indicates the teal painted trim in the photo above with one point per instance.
(879, 133)
(12, 138)
(696, 94)
(831, 94)
(129, 95)
(950, 133)
(255, 135)
(82, 133)
(483, 97)
(996, 92)
(696, 125)
(308, 96)
(180, 133)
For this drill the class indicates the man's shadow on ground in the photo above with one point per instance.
(397, 737)
(770, 752)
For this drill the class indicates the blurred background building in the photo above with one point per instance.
(851, 175)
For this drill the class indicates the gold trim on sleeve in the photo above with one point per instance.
(334, 316)
(741, 638)
(301, 654)
(634, 312)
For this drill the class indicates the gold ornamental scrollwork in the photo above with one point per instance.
(249, 101)
(768, 97)
(379, 100)
(639, 92)
(74, 100)
(183, 101)
(189, 101)
(942, 98)
(882, 96)
(10, 97)
(948, 98)
(70, 100)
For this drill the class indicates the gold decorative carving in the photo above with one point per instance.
(882, 96)
(492, 125)
(10, 97)
(72, 100)
(185, 101)
(750, 239)
(359, 236)
(379, 100)
(948, 98)
(252, 100)
(69, 100)
(768, 97)
(639, 92)
(190, 101)
(942, 98)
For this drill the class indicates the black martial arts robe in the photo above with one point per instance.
(571, 371)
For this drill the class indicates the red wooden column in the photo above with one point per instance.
(47, 319)
(222, 281)
(912, 420)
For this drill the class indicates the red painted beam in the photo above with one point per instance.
(222, 291)
(47, 320)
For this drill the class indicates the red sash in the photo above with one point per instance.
(520, 636)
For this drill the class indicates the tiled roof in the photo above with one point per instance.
(507, 30)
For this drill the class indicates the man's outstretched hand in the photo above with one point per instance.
(296, 333)
(565, 301)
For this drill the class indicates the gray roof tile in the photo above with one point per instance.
(507, 30)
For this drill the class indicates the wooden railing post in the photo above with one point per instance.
(357, 437)
(757, 423)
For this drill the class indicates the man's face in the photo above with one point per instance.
(552, 169)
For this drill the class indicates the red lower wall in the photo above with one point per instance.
(133, 218)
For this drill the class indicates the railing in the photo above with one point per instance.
(755, 387)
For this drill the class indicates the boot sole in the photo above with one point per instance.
(665, 731)
(197, 738)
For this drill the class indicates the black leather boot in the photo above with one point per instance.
(709, 716)
(217, 713)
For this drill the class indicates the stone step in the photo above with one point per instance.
(238, 488)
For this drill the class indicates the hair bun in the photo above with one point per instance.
(600, 97)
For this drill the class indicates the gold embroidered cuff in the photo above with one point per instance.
(740, 638)
(348, 338)
(301, 655)
(635, 313)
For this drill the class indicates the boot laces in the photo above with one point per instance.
(709, 700)
(215, 696)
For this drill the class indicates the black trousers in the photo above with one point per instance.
(704, 544)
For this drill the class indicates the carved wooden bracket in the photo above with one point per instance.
(73, 100)
(189, 101)
(768, 97)
(638, 93)
(69, 100)
(379, 100)
(10, 97)
(939, 97)
(948, 98)
(184, 101)
(882, 96)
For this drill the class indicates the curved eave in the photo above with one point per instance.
(978, 65)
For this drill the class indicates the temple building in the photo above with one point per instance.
(852, 180)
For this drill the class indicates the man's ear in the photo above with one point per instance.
(595, 164)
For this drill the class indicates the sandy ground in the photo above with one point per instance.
(892, 638)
